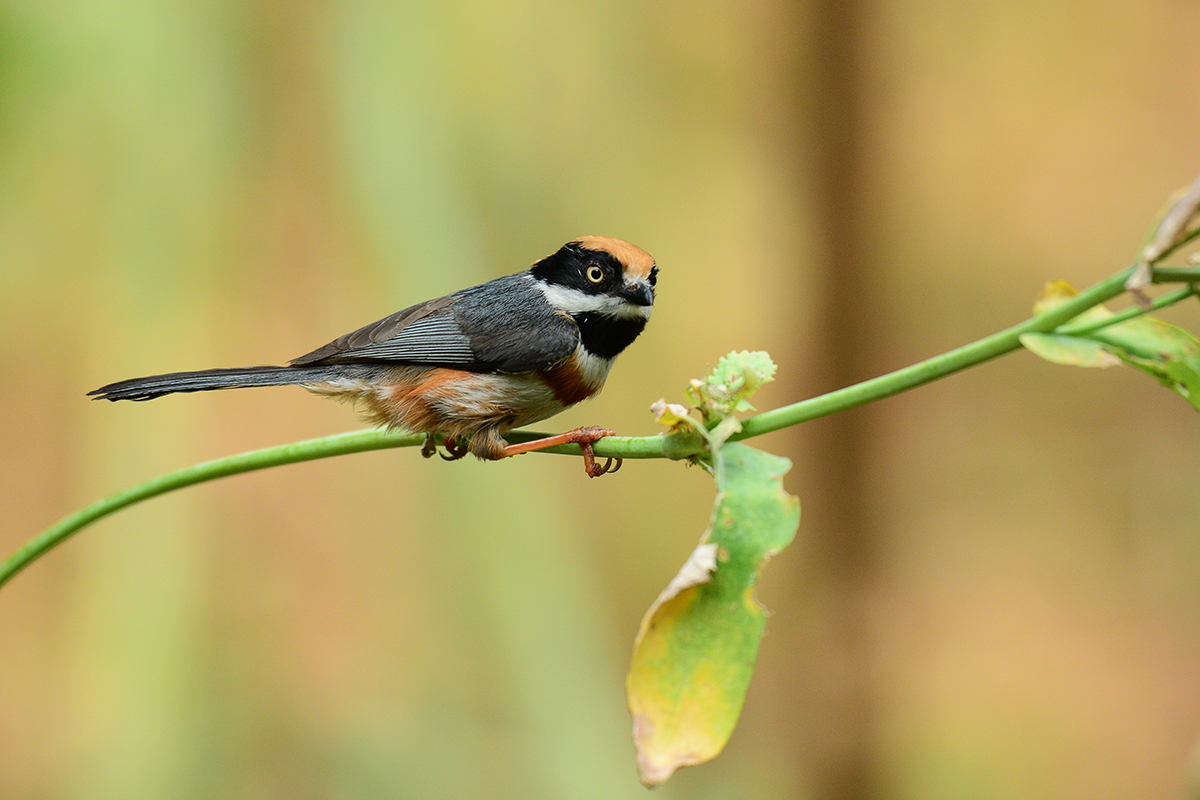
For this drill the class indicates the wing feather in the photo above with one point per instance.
(359, 345)
(488, 328)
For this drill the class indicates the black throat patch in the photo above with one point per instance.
(605, 336)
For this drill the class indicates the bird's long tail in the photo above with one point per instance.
(208, 379)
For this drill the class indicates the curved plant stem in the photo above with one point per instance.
(682, 444)
(931, 369)
(341, 444)
(1168, 299)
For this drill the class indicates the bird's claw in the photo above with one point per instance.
(454, 449)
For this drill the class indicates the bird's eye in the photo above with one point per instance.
(594, 274)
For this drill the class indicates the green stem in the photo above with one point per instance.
(1175, 274)
(937, 367)
(340, 444)
(1168, 299)
(682, 444)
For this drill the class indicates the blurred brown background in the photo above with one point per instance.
(995, 590)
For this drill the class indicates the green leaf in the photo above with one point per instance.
(1167, 352)
(1181, 376)
(697, 645)
(1071, 351)
(729, 386)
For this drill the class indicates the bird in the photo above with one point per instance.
(475, 364)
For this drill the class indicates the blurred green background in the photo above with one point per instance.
(995, 590)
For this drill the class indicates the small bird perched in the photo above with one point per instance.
(475, 364)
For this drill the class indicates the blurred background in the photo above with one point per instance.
(994, 591)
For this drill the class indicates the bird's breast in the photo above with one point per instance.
(578, 377)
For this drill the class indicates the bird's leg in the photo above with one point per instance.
(430, 446)
(584, 437)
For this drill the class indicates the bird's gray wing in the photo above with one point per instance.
(489, 328)
(424, 333)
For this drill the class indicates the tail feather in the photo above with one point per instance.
(208, 379)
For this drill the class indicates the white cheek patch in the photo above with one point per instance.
(573, 301)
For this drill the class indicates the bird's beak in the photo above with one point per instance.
(639, 294)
